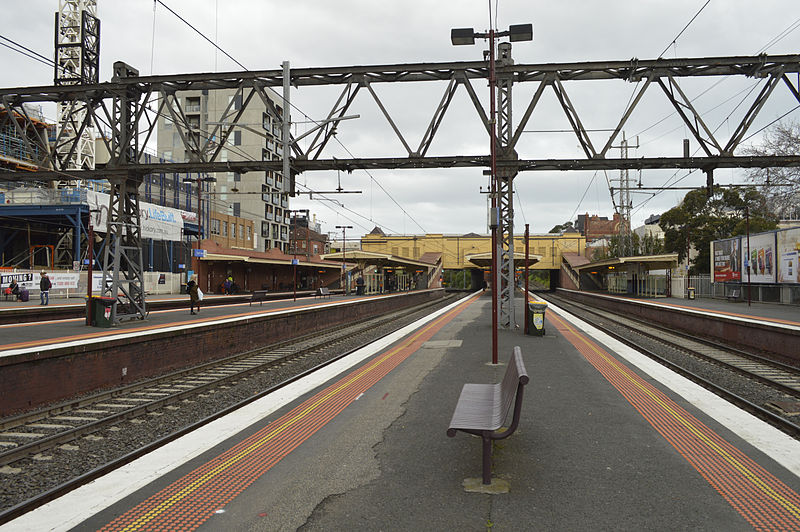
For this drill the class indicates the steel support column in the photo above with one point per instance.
(123, 268)
(505, 188)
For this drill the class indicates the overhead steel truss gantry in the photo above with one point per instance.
(129, 105)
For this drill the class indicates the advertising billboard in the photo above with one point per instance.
(788, 253)
(158, 223)
(760, 261)
(727, 260)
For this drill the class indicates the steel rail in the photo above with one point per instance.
(58, 491)
(774, 419)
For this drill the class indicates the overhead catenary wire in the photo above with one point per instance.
(293, 106)
(674, 41)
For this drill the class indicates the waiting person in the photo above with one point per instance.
(360, 285)
(44, 287)
(13, 289)
(194, 296)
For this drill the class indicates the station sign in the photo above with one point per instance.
(199, 253)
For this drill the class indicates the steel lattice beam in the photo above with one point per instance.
(129, 106)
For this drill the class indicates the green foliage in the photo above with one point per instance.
(560, 228)
(640, 246)
(699, 220)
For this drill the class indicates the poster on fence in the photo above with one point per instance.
(727, 260)
(760, 260)
(30, 280)
(158, 223)
(788, 254)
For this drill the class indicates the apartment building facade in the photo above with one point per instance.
(255, 196)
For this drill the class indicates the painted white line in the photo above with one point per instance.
(176, 327)
(75, 507)
(698, 311)
(777, 445)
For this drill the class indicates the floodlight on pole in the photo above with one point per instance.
(199, 181)
(464, 36)
(342, 277)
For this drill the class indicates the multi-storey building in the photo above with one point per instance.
(255, 196)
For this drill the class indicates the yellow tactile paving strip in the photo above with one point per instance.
(190, 501)
(763, 500)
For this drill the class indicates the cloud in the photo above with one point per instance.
(263, 33)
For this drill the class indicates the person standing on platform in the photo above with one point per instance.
(44, 287)
(194, 296)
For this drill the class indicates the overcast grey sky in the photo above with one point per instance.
(262, 33)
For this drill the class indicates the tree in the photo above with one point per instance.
(560, 228)
(781, 139)
(699, 220)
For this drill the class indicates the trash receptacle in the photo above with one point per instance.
(98, 311)
(690, 292)
(536, 318)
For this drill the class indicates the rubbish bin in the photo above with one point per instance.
(690, 292)
(99, 309)
(536, 318)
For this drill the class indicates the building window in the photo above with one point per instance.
(237, 209)
(224, 229)
(214, 226)
(249, 233)
(265, 232)
(241, 230)
(233, 230)
(237, 138)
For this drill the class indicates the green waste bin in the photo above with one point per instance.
(536, 318)
(690, 293)
(98, 311)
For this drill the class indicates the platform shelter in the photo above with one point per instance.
(647, 276)
(383, 272)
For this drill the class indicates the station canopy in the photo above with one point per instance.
(381, 260)
(484, 260)
(649, 262)
(221, 257)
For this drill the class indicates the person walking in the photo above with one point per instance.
(44, 287)
(194, 296)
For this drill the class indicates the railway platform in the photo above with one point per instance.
(778, 313)
(52, 330)
(607, 440)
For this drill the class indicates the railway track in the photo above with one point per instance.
(781, 381)
(33, 433)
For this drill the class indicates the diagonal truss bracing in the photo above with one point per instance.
(129, 106)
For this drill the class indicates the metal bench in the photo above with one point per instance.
(260, 296)
(734, 295)
(482, 409)
(322, 292)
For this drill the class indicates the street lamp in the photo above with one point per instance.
(198, 181)
(344, 229)
(294, 246)
(466, 36)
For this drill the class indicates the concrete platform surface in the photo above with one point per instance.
(607, 441)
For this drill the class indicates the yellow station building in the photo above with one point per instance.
(456, 248)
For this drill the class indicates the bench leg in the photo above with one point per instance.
(487, 460)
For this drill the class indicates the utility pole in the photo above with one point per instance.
(343, 274)
(624, 205)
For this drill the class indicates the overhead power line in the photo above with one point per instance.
(293, 106)
(684, 29)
